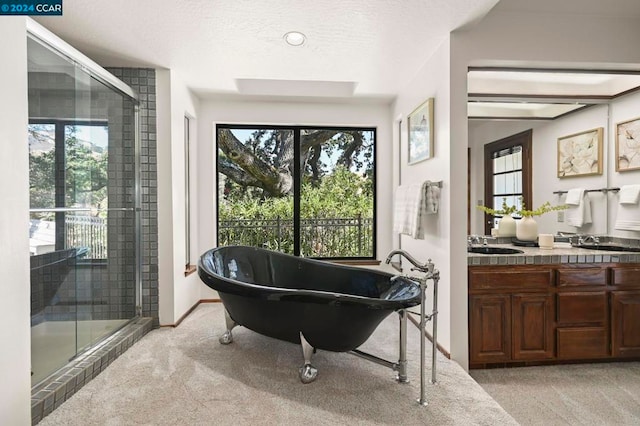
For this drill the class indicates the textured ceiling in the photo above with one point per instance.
(376, 46)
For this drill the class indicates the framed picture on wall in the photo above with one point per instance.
(580, 154)
(628, 145)
(420, 125)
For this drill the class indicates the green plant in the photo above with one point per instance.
(504, 210)
(507, 210)
(544, 208)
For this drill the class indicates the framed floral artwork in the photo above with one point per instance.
(420, 123)
(628, 145)
(580, 154)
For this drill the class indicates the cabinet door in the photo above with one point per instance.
(532, 326)
(490, 328)
(625, 323)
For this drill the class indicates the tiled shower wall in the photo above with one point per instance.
(143, 81)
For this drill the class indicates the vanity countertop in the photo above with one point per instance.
(561, 253)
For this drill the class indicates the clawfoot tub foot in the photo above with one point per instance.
(227, 336)
(308, 373)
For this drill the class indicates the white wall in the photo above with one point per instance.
(166, 284)
(371, 114)
(183, 102)
(512, 38)
(177, 293)
(448, 164)
(15, 356)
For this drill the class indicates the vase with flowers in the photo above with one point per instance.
(527, 227)
(506, 224)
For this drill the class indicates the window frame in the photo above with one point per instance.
(523, 139)
(189, 267)
(60, 176)
(297, 181)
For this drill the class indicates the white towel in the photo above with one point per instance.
(629, 194)
(410, 207)
(433, 198)
(579, 214)
(628, 216)
(574, 196)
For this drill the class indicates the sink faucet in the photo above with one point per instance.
(473, 239)
(422, 267)
(583, 240)
(485, 238)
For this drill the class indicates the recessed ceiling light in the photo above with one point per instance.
(295, 38)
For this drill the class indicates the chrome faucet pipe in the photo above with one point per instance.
(418, 265)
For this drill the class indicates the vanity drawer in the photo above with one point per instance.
(582, 308)
(582, 343)
(628, 277)
(513, 278)
(581, 277)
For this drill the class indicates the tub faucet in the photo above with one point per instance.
(423, 267)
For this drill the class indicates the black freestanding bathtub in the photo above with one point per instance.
(317, 304)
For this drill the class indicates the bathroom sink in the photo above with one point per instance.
(493, 250)
(608, 247)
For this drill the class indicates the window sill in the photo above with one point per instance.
(190, 269)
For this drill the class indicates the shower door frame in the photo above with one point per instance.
(52, 42)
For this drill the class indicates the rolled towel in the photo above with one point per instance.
(629, 194)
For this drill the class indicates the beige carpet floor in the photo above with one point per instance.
(183, 376)
(578, 394)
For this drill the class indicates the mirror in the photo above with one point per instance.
(566, 111)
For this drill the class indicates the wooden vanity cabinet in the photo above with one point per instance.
(625, 311)
(528, 314)
(511, 314)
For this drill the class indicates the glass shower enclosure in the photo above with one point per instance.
(84, 224)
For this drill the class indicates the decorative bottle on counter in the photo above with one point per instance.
(507, 226)
(527, 229)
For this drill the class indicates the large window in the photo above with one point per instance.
(300, 190)
(68, 186)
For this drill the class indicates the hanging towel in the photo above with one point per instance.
(574, 196)
(628, 216)
(629, 194)
(579, 212)
(433, 198)
(410, 207)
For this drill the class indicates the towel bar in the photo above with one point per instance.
(605, 190)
